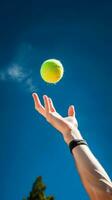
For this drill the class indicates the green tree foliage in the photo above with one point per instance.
(38, 191)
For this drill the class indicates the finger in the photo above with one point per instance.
(52, 108)
(71, 111)
(47, 106)
(38, 105)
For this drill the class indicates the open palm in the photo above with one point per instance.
(62, 124)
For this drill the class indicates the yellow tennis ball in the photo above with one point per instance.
(51, 71)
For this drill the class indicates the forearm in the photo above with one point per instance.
(94, 178)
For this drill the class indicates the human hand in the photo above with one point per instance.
(67, 126)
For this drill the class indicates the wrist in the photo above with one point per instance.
(75, 143)
(72, 134)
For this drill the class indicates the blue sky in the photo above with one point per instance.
(79, 34)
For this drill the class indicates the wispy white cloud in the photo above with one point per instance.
(30, 85)
(18, 74)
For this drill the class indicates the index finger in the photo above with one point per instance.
(38, 105)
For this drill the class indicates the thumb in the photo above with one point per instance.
(71, 111)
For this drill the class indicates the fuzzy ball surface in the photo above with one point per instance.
(51, 71)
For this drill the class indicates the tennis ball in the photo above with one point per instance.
(51, 71)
